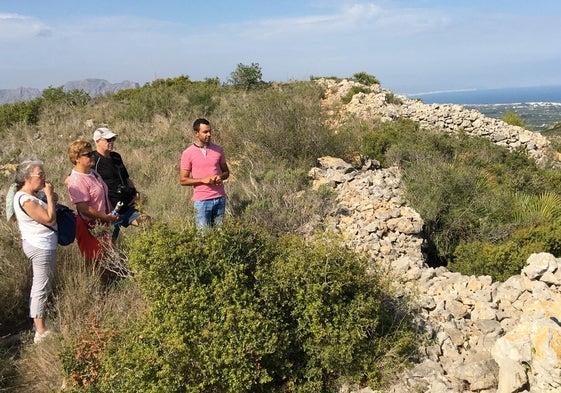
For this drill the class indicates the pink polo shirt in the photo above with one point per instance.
(90, 188)
(204, 162)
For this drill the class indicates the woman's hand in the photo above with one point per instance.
(111, 218)
(49, 191)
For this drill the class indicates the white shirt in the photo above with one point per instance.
(33, 232)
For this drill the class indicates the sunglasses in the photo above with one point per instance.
(42, 176)
(89, 154)
(111, 140)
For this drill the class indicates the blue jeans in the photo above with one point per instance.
(209, 212)
(125, 219)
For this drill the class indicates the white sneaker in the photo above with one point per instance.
(40, 337)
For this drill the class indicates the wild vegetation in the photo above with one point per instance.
(253, 307)
(485, 209)
(513, 118)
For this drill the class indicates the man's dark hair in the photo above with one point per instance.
(198, 122)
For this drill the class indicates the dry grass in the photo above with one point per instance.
(15, 279)
(39, 368)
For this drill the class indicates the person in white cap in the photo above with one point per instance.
(109, 164)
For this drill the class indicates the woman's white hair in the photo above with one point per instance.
(24, 170)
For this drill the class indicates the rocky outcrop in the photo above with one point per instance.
(488, 336)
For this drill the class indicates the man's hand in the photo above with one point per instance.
(214, 180)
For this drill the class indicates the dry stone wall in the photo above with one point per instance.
(489, 337)
(446, 117)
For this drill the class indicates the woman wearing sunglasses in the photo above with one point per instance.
(36, 218)
(89, 193)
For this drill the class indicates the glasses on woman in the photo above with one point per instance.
(89, 154)
(41, 175)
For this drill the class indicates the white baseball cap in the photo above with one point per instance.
(103, 133)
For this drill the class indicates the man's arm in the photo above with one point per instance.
(185, 179)
(225, 171)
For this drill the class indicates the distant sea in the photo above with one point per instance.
(540, 106)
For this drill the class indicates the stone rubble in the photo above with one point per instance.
(487, 337)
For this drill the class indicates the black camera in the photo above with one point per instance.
(126, 194)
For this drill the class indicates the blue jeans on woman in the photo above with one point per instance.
(209, 212)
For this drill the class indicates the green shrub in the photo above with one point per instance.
(73, 98)
(247, 77)
(26, 112)
(391, 98)
(513, 118)
(377, 142)
(280, 200)
(466, 189)
(553, 133)
(142, 104)
(365, 79)
(180, 83)
(354, 90)
(507, 258)
(172, 98)
(235, 310)
(81, 358)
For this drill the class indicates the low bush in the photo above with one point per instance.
(391, 98)
(354, 90)
(508, 257)
(279, 200)
(467, 189)
(366, 79)
(513, 118)
(73, 98)
(25, 112)
(236, 310)
(377, 141)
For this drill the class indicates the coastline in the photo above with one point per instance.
(539, 106)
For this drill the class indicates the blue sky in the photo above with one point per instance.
(411, 46)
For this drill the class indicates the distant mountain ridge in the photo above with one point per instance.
(94, 87)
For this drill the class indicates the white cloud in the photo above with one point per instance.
(347, 19)
(15, 27)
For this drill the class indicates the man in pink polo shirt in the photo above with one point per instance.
(203, 166)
